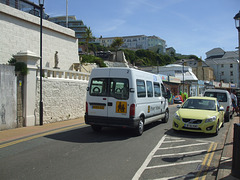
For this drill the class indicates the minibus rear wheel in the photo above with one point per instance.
(165, 119)
(140, 128)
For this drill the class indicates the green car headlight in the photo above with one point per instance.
(211, 119)
(176, 116)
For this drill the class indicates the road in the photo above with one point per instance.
(80, 153)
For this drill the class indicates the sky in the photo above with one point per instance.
(189, 26)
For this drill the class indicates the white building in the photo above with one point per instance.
(179, 71)
(224, 64)
(20, 31)
(136, 42)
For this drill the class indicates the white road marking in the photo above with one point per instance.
(174, 141)
(172, 138)
(184, 153)
(188, 145)
(149, 158)
(177, 177)
(173, 164)
(158, 147)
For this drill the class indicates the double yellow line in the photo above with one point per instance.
(39, 135)
(204, 166)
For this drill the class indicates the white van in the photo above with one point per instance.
(224, 99)
(124, 97)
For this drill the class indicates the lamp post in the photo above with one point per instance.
(237, 24)
(183, 73)
(236, 136)
(41, 3)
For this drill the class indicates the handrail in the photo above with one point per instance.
(63, 74)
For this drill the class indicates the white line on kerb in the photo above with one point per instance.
(175, 147)
(146, 162)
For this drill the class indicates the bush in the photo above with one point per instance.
(93, 59)
(19, 66)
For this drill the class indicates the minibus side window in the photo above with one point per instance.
(149, 89)
(119, 88)
(98, 87)
(157, 92)
(163, 90)
(141, 90)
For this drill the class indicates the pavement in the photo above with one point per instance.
(225, 163)
(14, 136)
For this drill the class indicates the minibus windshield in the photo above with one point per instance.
(110, 87)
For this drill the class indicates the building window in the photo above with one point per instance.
(231, 65)
(231, 73)
(222, 65)
(222, 73)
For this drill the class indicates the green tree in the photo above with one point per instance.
(88, 36)
(117, 44)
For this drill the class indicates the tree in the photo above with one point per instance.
(88, 36)
(117, 44)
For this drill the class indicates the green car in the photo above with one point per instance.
(199, 114)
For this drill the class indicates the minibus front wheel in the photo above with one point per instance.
(140, 128)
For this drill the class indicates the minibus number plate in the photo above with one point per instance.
(97, 107)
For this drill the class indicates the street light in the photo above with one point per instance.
(236, 136)
(237, 24)
(183, 74)
(41, 3)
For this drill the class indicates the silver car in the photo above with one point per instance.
(224, 99)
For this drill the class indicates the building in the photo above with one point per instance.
(224, 64)
(20, 31)
(199, 68)
(74, 24)
(136, 42)
(26, 6)
(170, 51)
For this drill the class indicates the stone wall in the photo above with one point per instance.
(63, 99)
(20, 31)
(8, 102)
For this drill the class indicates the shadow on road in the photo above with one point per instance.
(87, 135)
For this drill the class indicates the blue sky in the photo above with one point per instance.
(190, 26)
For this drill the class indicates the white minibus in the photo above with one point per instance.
(125, 97)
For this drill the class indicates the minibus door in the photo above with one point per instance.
(118, 100)
(98, 97)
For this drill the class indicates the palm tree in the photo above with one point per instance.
(117, 44)
(88, 36)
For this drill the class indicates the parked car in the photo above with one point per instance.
(178, 99)
(199, 114)
(224, 99)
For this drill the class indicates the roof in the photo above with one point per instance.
(216, 90)
(215, 52)
(188, 76)
(203, 97)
